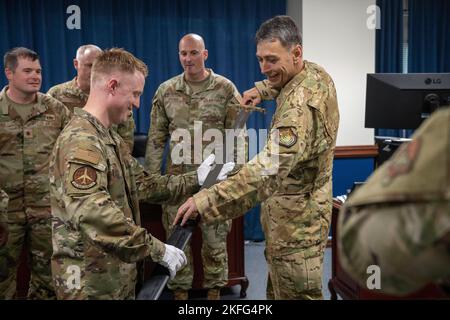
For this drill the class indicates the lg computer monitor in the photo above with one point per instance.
(404, 100)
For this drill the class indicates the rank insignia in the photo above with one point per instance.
(84, 178)
(287, 137)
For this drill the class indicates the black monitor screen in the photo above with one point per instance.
(404, 100)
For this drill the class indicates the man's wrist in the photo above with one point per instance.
(265, 91)
(201, 201)
(157, 249)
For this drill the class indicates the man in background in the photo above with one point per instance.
(30, 124)
(74, 93)
(195, 101)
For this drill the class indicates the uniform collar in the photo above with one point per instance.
(182, 85)
(38, 108)
(74, 86)
(104, 132)
(295, 81)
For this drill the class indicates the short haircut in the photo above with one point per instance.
(117, 59)
(281, 28)
(195, 37)
(11, 57)
(82, 49)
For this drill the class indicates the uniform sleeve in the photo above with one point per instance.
(67, 115)
(91, 210)
(126, 131)
(260, 177)
(3, 206)
(232, 113)
(157, 188)
(266, 91)
(157, 135)
(409, 243)
(4, 229)
(53, 91)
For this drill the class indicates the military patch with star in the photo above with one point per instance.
(287, 137)
(84, 178)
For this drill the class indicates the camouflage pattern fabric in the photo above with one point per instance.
(292, 175)
(176, 106)
(25, 148)
(73, 97)
(3, 218)
(39, 236)
(3, 206)
(399, 220)
(95, 188)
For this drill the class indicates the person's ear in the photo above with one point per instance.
(297, 53)
(205, 54)
(8, 73)
(112, 85)
(75, 64)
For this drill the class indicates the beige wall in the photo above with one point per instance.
(336, 36)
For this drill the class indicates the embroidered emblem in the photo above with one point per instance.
(84, 178)
(287, 137)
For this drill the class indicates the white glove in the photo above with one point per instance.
(174, 259)
(227, 167)
(206, 166)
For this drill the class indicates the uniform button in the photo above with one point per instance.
(28, 133)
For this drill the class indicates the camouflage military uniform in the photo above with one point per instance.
(176, 106)
(25, 148)
(297, 192)
(400, 219)
(95, 188)
(73, 97)
(3, 216)
(3, 206)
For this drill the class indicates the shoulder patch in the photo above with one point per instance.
(403, 162)
(87, 155)
(84, 178)
(287, 137)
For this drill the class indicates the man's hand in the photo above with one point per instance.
(188, 210)
(206, 166)
(252, 97)
(174, 259)
(226, 169)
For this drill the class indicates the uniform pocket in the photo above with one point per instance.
(298, 272)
